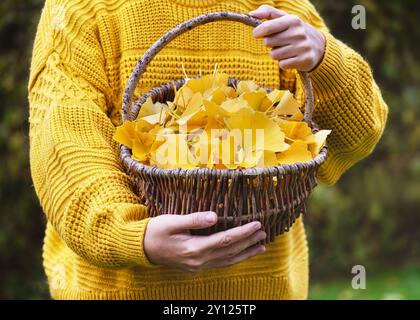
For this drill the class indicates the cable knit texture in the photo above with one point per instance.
(83, 54)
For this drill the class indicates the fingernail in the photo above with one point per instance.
(257, 225)
(261, 249)
(211, 217)
(263, 235)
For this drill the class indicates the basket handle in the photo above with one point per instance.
(143, 63)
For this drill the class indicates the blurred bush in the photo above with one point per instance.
(21, 220)
(370, 217)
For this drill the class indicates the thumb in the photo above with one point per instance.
(267, 12)
(196, 220)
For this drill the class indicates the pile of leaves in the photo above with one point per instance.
(213, 125)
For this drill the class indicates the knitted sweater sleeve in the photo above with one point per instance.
(76, 171)
(347, 99)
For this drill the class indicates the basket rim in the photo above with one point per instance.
(130, 162)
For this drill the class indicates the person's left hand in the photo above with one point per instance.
(295, 44)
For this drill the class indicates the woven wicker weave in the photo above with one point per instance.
(276, 196)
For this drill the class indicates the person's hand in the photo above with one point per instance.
(169, 242)
(295, 44)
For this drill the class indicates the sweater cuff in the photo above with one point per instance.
(129, 242)
(330, 75)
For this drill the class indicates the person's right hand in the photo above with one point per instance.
(168, 242)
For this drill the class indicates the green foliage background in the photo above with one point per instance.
(370, 217)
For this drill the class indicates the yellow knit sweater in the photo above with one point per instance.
(83, 55)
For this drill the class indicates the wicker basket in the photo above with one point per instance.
(276, 196)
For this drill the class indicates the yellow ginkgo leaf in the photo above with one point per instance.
(214, 110)
(257, 126)
(246, 86)
(157, 118)
(297, 131)
(220, 93)
(158, 133)
(268, 105)
(218, 96)
(149, 108)
(207, 82)
(259, 158)
(241, 119)
(273, 135)
(213, 126)
(208, 149)
(287, 105)
(217, 79)
(181, 100)
(125, 134)
(201, 148)
(232, 152)
(266, 159)
(129, 131)
(255, 100)
(229, 92)
(298, 116)
(140, 151)
(276, 95)
(298, 152)
(140, 136)
(193, 105)
(320, 140)
(233, 106)
(192, 121)
(174, 153)
(198, 85)
(249, 158)
(194, 116)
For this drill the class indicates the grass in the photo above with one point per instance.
(402, 284)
